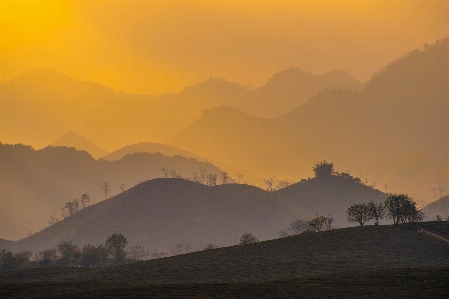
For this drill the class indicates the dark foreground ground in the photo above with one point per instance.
(368, 262)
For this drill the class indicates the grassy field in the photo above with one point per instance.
(360, 262)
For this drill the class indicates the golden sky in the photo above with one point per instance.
(156, 47)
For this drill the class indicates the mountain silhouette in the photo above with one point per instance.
(401, 111)
(161, 213)
(150, 147)
(52, 104)
(72, 139)
(37, 183)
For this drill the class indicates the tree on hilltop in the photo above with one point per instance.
(323, 169)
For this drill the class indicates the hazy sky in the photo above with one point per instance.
(156, 47)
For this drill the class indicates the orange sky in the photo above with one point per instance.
(157, 47)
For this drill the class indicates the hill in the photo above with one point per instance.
(381, 261)
(37, 183)
(439, 207)
(150, 147)
(164, 212)
(355, 130)
(78, 142)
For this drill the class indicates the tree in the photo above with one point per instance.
(359, 213)
(11, 261)
(122, 187)
(91, 255)
(138, 253)
(69, 253)
(320, 223)
(165, 170)
(282, 185)
(116, 244)
(105, 187)
(46, 257)
(248, 238)
(402, 208)
(210, 246)
(298, 227)
(377, 211)
(241, 178)
(323, 169)
(224, 177)
(85, 198)
(71, 207)
(212, 179)
(181, 249)
(438, 218)
(269, 183)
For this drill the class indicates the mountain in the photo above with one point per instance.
(439, 207)
(164, 212)
(150, 147)
(74, 140)
(292, 87)
(37, 183)
(401, 111)
(52, 104)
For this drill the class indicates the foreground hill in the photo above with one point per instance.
(361, 262)
(37, 183)
(72, 139)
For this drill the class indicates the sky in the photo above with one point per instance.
(157, 47)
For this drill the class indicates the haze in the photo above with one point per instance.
(156, 47)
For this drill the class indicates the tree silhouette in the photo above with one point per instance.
(116, 244)
(359, 213)
(323, 169)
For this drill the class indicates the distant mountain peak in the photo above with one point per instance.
(72, 139)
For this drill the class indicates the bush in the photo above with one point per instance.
(248, 238)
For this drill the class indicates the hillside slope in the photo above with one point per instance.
(380, 261)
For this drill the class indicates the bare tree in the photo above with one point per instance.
(202, 175)
(138, 253)
(241, 178)
(85, 198)
(210, 246)
(320, 223)
(212, 179)
(224, 177)
(122, 187)
(172, 173)
(165, 170)
(269, 183)
(385, 187)
(105, 187)
(282, 185)
(298, 227)
(441, 191)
